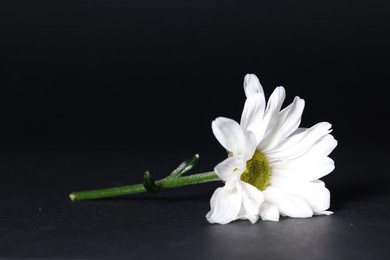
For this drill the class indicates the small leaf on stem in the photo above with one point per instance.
(184, 167)
(149, 183)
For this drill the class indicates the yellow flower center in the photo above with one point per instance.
(257, 171)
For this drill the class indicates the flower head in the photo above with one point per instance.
(273, 166)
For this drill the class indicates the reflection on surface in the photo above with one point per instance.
(299, 237)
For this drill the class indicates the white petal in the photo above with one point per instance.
(253, 112)
(229, 134)
(250, 145)
(299, 130)
(230, 169)
(288, 204)
(326, 212)
(314, 193)
(318, 196)
(324, 146)
(225, 205)
(310, 147)
(252, 85)
(270, 118)
(308, 168)
(269, 212)
(298, 144)
(276, 99)
(287, 123)
(252, 198)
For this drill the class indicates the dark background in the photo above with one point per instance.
(95, 92)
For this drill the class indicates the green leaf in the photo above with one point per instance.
(149, 183)
(184, 167)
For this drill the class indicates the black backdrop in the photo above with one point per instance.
(95, 92)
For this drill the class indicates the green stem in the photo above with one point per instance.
(139, 188)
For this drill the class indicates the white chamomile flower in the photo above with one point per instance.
(274, 166)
